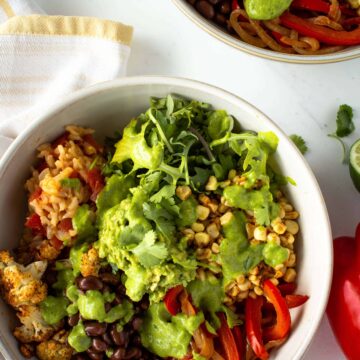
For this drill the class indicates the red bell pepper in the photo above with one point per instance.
(95, 181)
(311, 5)
(65, 225)
(56, 243)
(287, 288)
(90, 139)
(253, 326)
(235, 5)
(351, 21)
(35, 194)
(344, 303)
(283, 321)
(239, 341)
(227, 340)
(321, 33)
(294, 301)
(33, 222)
(61, 140)
(171, 300)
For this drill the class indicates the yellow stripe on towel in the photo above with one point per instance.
(7, 8)
(67, 25)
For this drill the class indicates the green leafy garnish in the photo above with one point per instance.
(344, 121)
(71, 183)
(300, 143)
(150, 253)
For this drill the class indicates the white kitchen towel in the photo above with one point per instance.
(43, 58)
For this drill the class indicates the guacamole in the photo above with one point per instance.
(266, 9)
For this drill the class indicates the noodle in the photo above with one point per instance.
(273, 35)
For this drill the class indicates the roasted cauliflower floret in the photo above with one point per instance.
(90, 263)
(21, 285)
(34, 327)
(55, 348)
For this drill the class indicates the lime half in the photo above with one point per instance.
(355, 164)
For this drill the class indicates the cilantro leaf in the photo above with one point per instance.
(345, 125)
(300, 143)
(165, 192)
(150, 253)
(71, 183)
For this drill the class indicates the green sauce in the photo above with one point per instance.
(78, 339)
(53, 309)
(166, 335)
(266, 9)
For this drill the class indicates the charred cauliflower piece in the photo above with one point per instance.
(90, 263)
(34, 327)
(55, 348)
(21, 285)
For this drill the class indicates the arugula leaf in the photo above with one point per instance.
(71, 183)
(300, 143)
(150, 253)
(219, 124)
(345, 125)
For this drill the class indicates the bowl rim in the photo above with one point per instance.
(215, 31)
(237, 101)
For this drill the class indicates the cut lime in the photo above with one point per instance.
(355, 164)
(266, 9)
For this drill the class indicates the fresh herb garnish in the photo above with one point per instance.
(344, 121)
(300, 143)
(71, 183)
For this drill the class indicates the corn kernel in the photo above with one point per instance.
(204, 199)
(258, 291)
(213, 206)
(292, 260)
(279, 228)
(260, 233)
(275, 281)
(189, 233)
(215, 248)
(213, 231)
(211, 184)
(290, 275)
(250, 230)
(273, 237)
(197, 227)
(226, 218)
(292, 227)
(245, 286)
(183, 192)
(202, 212)
(240, 279)
(202, 239)
(291, 215)
(243, 295)
(222, 208)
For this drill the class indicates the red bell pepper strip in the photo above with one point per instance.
(239, 341)
(253, 326)
(294, 301)
(61, 140)
(235, 5)
(351, 21)
(35, 194)
(65, 225)
(33, 222)
(56, 243)
(311, 5)
(321, 33)
(344, 302)
(95, 181)
(90, 139)
(318, 5)
(227, 340)
(283, 321)
(171, 300)
(287, 288)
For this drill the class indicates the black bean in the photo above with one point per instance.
(121, 290)
(133, 353)
(110, 278)
(205, 9)
(225, 8)
(118, 299)
(191, 2)
(94, 355)
(145, 303)
(108, 307)
(73, 319)
(79, 357)
(99, 345)
(118, 354)
(106, 289)
(90, 283)
(220, 19)
(50, 277)
(93, 328)
(120, 338)
(107, 338)
(214, 2)
(136, 323)
(136, 340)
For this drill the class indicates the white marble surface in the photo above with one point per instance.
(302, 99)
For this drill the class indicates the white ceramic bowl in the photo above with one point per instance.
(108, 107)
(222, 35)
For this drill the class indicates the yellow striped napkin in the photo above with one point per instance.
(43, 58)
